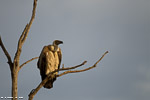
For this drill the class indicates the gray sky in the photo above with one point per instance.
(88, 29)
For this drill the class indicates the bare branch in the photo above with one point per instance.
(21, 39)
(24, 35)
(6, 53)
(34, 91)
(28, 61)
(76, 71)
(68, 68)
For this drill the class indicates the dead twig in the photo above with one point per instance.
(76, 71)
(28, 61)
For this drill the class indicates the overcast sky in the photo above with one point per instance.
(88, 28)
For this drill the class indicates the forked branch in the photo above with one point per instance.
(76, 71)
(34, 91)
(24, 34)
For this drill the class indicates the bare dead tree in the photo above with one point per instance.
(15, 65)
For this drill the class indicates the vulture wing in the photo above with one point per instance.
(42, 62)
(59, 56)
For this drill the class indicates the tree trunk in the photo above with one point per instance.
(14, 75)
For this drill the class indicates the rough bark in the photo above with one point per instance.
(14, 76)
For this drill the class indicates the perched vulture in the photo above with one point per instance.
(49, 60)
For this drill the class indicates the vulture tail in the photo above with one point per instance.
(49, 83)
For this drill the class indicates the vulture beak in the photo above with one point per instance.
(60, 42)
(57, 42)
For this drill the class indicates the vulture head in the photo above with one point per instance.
(57, 42)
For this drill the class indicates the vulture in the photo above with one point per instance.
(50, 60)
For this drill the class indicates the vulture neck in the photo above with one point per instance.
(55, 47)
